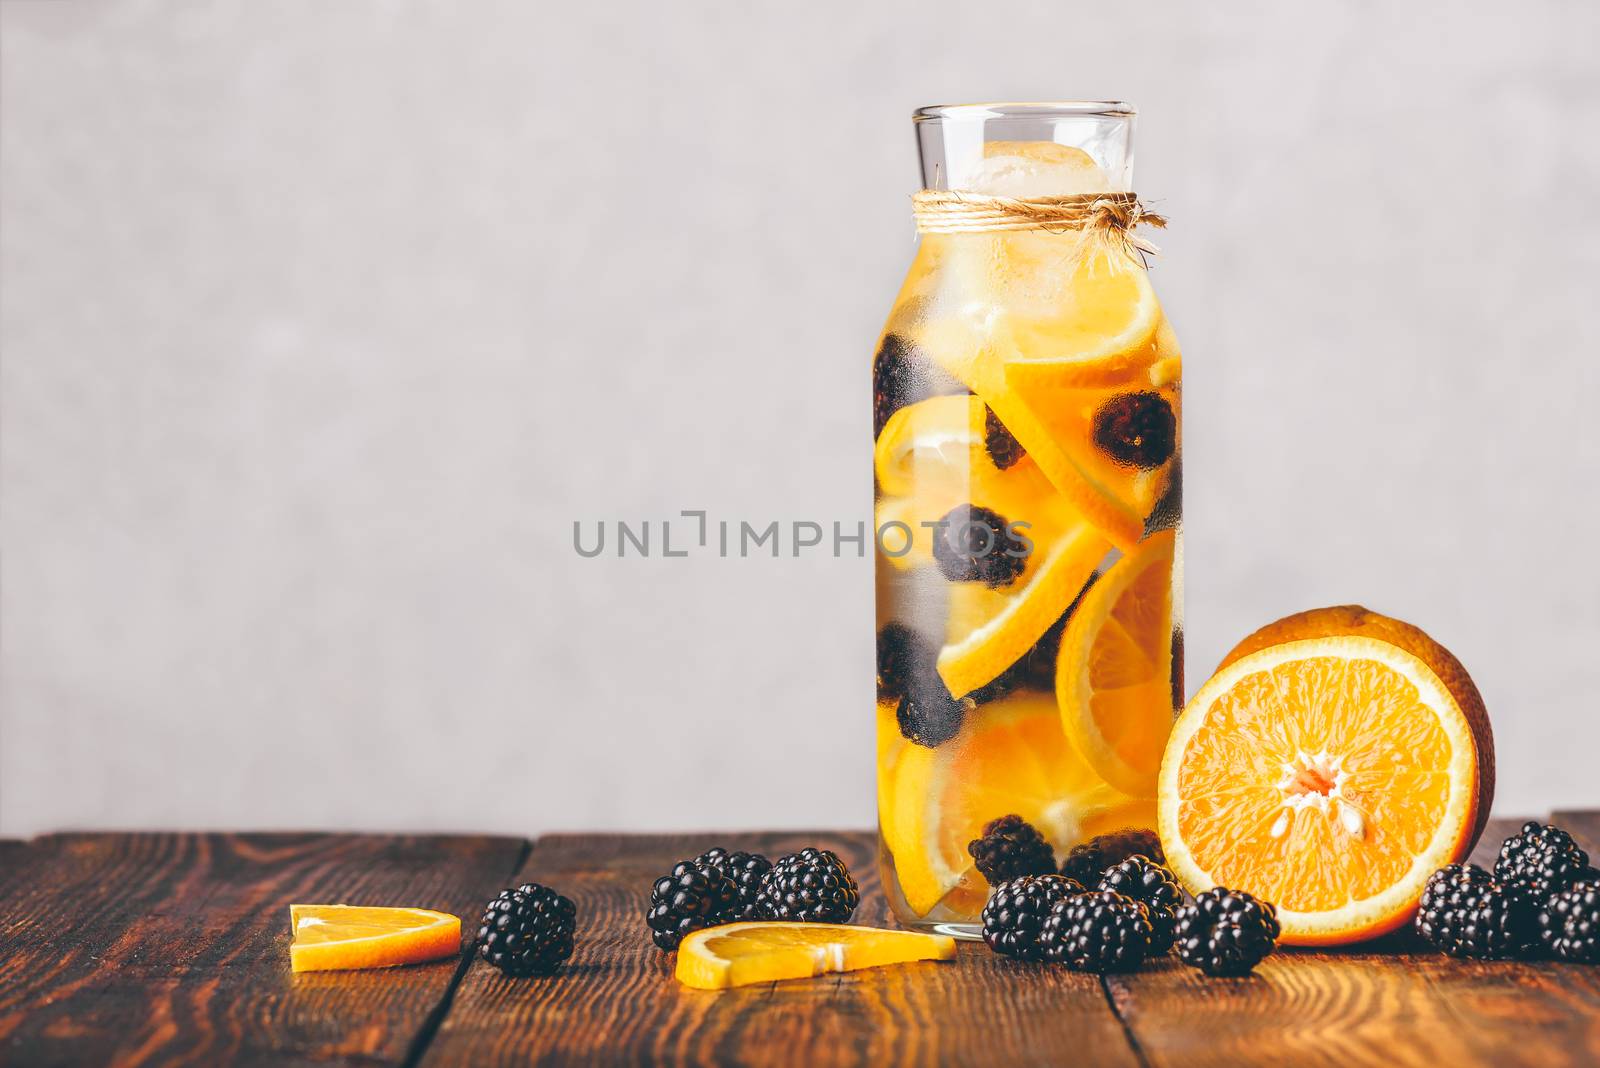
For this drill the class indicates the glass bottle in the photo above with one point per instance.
(1026, 421)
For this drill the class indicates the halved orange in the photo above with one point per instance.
(332, 937)
(738, 954)
(1334, 762)
(1114, 673)
(1010, 757)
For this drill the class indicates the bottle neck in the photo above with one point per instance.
(1027, 150)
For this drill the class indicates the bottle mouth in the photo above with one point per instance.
(1042, 109)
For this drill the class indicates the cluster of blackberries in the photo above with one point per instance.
(717, 887)
(1111, 907)
(527, 931)
(1542, 899)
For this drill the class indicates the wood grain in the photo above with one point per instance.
(173, 948)
(1394, 1002)
(619, 1003)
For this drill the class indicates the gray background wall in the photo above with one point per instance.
(322, 322)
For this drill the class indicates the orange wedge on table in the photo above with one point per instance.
(1011, 756)
(1114, 679)
(1335, 761)
(329, 937)
(739, 954)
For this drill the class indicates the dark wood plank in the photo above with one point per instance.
(618, 1002)
(1391, 1002)
(173, 948)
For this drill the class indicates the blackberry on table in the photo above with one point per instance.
(1225, 932)
(975, 544)
(694, 894)
(1501, 922)
(1569, 923)
(527, 931)
(1011, 847)
(746, 870)
(1016, 911)
(1097, 931)
(1088, 861)
(1540, 859)
(1137, 429)
(812, 886)
(902, 374)
(1003, 449)
(1154, 887)
(1448, 899)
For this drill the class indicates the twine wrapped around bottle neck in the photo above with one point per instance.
(1109, 215)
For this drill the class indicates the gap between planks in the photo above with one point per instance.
(435, 1018)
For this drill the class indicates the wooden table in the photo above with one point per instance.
(172, 949)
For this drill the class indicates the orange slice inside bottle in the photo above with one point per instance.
(1011, 756)
(972, 345)
(1114, 672)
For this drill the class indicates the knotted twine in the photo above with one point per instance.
(1109, 216)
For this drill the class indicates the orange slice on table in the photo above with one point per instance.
(1114, 672)
(1011, 756)
(1335, 761)
(330, 937)
(739, 954)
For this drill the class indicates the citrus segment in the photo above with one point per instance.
(970, 347)
(1356, 620)
(932, 454)
(738, 954)
(1074, 417)
(989, 629)
(330, 937)
(1100, 328)
(1114, 673)
(939, 440)
(1011, 757)
(930, 458)
(1330, 775)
